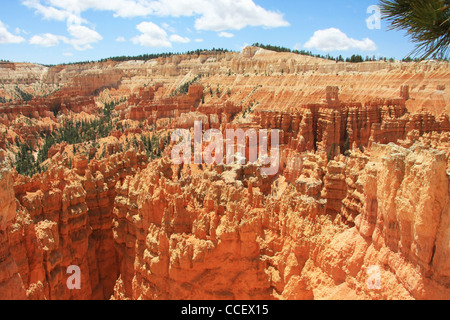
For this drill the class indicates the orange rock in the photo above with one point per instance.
(362, 189)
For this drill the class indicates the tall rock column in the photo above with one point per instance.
(11, 285)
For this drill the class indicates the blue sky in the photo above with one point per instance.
(57, 31)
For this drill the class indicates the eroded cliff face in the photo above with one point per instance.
(200, 234)
(63, 218)
(11, 284)
(359, 208)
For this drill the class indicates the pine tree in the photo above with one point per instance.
(427, 23)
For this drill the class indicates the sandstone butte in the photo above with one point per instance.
(363, 181)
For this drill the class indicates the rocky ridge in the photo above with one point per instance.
(363, 182)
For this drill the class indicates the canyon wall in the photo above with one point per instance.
(359, 208)
(214, 234)
(63, 218)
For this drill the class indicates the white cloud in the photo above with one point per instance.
(151, 36)
(226, 35)
(67, 54)
(69, 11)
(47, 40)
(198, 40)
(168, 27)
(6, 37)
(121, 39)
(83, 37)
(333, 39)
(179, 39)
(52, 13)
(218, 15)
(235, 15)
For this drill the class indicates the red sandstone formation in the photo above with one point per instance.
(205, 236)
(64, 218)
(363, 181)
